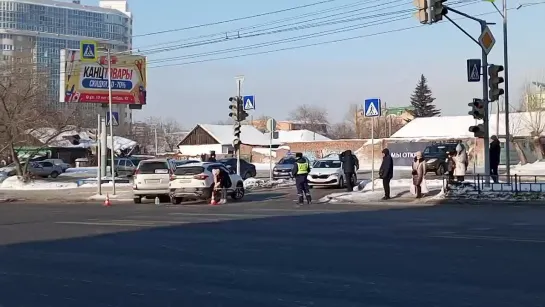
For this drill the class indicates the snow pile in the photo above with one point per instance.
(252, 183)
(76, 170)
(496, 191)
(532, 169)
(364, 191)
(13, 183)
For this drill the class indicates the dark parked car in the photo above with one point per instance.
(247, 170)
(436, 157)
(283, 168)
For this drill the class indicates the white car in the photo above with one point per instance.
(151, 179)
(327, 172)
(195, 181)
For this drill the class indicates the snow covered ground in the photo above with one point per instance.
(252, 183)
(12, 183)
(533, 169)
(496, 191)
(364, 192)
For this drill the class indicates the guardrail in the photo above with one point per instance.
(512, 184)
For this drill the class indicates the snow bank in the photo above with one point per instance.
(77, 170)
(13, 183)
(532, 169)
(496, 191)
(364, 193)
(252, 183)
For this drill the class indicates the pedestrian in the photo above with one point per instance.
(495, 154)
(451, 165)
(349, 165)
(386, 172)
(300, 171)
(419, 186)
(460, 161)
(212, 157)
(222, 181)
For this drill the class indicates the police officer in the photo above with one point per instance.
(300, 171)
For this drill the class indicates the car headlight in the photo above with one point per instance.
(431, 160)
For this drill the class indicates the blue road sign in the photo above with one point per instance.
(249, 102)
(371, 107)
(474, 70)
(115, 118)
(88, 51)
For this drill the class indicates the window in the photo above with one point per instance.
(46, 164)
(151, 167)
(189, 170)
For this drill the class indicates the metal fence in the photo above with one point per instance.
(512, 184)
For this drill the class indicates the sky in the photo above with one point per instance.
(381, 63)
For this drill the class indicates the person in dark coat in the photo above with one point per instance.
(495, 154)
(386, 172)
(350, 166)
(300, 171)
(212, 157)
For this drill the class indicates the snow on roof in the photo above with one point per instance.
(520, 125)
(249, 135)
(45, 134)
(293, 136)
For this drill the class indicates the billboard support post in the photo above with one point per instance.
(111, 119)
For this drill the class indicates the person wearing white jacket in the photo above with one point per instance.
(460, 161)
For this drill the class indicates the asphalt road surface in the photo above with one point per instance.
(264, 252)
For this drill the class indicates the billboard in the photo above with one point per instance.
(87, 82)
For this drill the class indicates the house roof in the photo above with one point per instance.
(249, 135)
(304, 135)
(520, 124)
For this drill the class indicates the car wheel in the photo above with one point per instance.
(341, 182)
(440, 170)
(175, 200)
(54, 175)
(137, 200)
(238, 193)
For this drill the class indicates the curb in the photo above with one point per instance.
(478, 202)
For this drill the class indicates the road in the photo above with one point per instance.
(264, 252)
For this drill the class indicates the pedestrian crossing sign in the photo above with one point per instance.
(88, 51)
(372, 107)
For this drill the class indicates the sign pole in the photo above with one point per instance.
(486, 113)
(112, 167)
(372, 154)
(99, 160)
(270, 155)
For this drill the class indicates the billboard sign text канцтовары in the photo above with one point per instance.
(86, 82)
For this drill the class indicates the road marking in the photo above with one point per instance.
(488, 238)
(218, 214)
(108, 224)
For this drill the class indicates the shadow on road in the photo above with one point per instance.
(379, 258)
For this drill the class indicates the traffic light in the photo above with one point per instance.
(437, 10)
(494, 82)
(478, 131)
(242, 114)
(234, 108)
(422, 13)
(236, 132)
(477, 108)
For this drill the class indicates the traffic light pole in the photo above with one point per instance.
(484, 60)
(486, 113)
(239, 90)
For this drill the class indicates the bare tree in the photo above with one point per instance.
(168, 132)
(342, 130)
(312, 118)
(534, 120)
(25, 115)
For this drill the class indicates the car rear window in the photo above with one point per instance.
(189, 170)
(151, 167)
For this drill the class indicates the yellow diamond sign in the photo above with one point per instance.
(487, 40)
